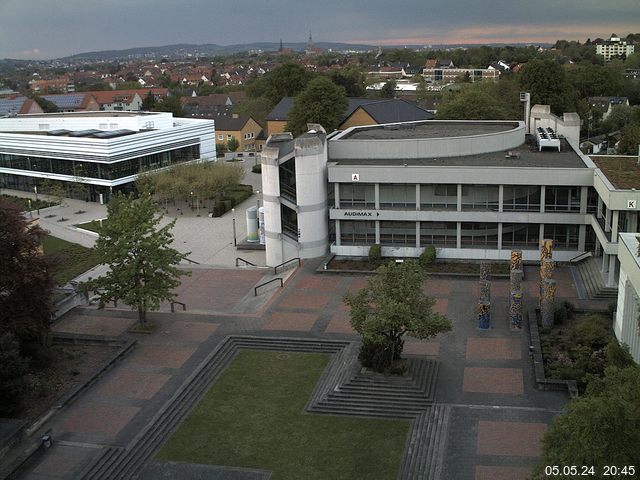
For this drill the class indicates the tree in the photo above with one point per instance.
(601, 428)
(46, 105)
(13, 370)
(26, 284)
(321, 102)
(233, 144)
(148, 102)
(481, 101)
(391, 305)
(142, 266)
(170, 104)
(255, 107)
(352, 78)
(285, 81)
(388, 90)
(629, 140)
(545, 79)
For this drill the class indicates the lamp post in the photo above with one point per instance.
(233, 211)
(30, 211)
(35, 189)
(110, 192)
(258, 199)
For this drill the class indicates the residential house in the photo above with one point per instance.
(126, 100)
(606, 104)
(18, 105)
(244, 129)
(211, 106)
(74, 102)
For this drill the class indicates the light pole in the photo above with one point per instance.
(110, 192)
(35, 189)
(30, 211)
(233, 212)
(258, 199)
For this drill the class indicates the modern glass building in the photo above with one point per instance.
(104, 150)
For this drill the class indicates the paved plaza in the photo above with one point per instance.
(485, 378)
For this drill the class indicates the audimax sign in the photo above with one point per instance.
(360, 213)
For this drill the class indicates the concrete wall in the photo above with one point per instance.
(568, 125)
(271, 202)
(626, 322)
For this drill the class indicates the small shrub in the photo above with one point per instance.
(377, 357)
(375, 256)
(218, 209)
(593, 332)
(428, 256)
(257, 168)
(563, 311)
(618, 354)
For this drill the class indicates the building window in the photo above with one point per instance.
(565, 237)
(398, 196)
(353, 232)
(361, 195)
(289, 222)
(480, 197)
(401, 234)
(440, 234)
(521, 235)
(229, 137)
(521, 198)
(592, 200)
(482, 235)
(562, 199)
(221, 138)
(287, 172)
(439, 197)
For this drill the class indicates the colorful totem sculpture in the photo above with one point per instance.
(548, 302)
(484, 318)
(515, 310)
(484, 303)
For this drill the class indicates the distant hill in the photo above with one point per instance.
(211, 49)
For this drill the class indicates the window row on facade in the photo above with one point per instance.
(515, 198)
(105, 171)
(445, 234)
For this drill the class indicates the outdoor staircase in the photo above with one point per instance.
(593, 280)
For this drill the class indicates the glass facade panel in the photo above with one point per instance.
(353, 232)
(439, 197)
(361, 195)
(521, 235)
(480, 197)
(479, 235)
(398, 234)
(565, 237)
(521, 198)
(287, 173)
(562, 199)
(289, 222)
(440, 234)
(399, 196)
(592, 200)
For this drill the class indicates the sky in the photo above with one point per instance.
(44, 29)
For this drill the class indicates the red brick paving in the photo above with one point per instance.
(421, 348)
(340, 323)
(106, 419)
(499, 289)
(502, 473)
(493, 380)
(94, 325)
(162, 356)
(130, 384)
(519, 439)
(493, 348)
(190, 331)
(300, 322)
(216, 289)
(356, 284)
(298, 299)
(320, 283)
(441, 305)
(61, 462)
(438, 287)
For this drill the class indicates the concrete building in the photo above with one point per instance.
(614, 48)
(104, 150)
(474, 189)
(626, 325)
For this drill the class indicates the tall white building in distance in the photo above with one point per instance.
(614, 48)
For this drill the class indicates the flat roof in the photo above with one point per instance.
(622, 172)
(428, 129)
(526, 155)
(101, 113)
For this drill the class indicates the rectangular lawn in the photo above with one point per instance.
(71, 259)
(254, 417)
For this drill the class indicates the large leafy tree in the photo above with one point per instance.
(601, 428)
(391, 305)
(547, 82)
(322, 101)
(143, 268)
(26, 284)
(285, 81)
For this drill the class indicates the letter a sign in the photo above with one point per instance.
(355, 177)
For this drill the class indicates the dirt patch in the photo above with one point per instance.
(71, 365)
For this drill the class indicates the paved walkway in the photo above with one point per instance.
(498, 416)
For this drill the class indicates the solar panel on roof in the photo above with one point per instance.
(65, 101)
(113, 133)
(83, 133)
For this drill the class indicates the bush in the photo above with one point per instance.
(375, 256)
(257, 168)
(218, 209)
(428, 256)
(618, 354)
(563, 311)
(13, 379)
(377, 357)
(593, 332)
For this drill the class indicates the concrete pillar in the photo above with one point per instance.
(378, 232)
(605, 263)
(338, 242)
(611, 278)
(599, 211)
(417, 234)
(607, 221)
(542, 201)
(632, 223)
(458, 235)
(584, 193)
(499, 236)
(459, 198)
(615, 215)
(500, 200)
(336, 194)
(582, 237)
(376, 190)
(271, 202)
(541, 232)
(418, 196)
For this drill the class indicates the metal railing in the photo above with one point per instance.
(191, 261)
(579, 257)
(275, 269)
(247, 262)
(173, 303)
(255, 290)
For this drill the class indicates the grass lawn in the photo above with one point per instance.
(93, 226)
(71, 259)
(254, 417)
